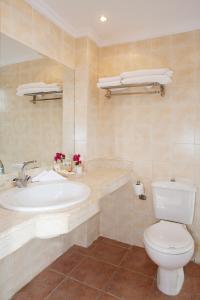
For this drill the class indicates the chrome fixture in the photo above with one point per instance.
(23, 179)
(37, 97)
(2, 170)
(148, 88)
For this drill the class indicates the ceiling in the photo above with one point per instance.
(12, 52)
(128, 20)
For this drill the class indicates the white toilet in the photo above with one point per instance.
(168, 242)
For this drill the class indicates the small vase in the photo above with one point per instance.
(58, 166)
(79, 170)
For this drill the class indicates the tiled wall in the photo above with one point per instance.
(26, 127)
(157, 137)
(86, 100)
(21, 22)
(122, 216)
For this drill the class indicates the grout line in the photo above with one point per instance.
(103, 261)
(106, 293)
(114, 244)
(103, 289)
(93, 287)
(66, 275)
(111, 278)
(139, 273)
(116, 297)
(86, 284)
(74, 268)
(123, 257)
(46, 298)
(133, 271)
(55, 271)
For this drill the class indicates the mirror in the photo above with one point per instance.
(33, 127)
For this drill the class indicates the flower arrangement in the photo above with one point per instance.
(59, 157)
(76, 159)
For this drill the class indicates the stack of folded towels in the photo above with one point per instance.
(109, 81)
(162, 76)
(38, 87)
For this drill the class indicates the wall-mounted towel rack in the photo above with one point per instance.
(37, 97)
(150, 88)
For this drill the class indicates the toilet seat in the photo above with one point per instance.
(169, 237)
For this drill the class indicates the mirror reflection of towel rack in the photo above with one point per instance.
(37, 97)
(124, 89)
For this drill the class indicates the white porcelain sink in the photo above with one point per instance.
(43, 197)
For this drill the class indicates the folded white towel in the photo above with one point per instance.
(108, 84)
(31, 85)
(48, 176)
(119, 89)
(45, 89)
(38, 85)
(147, 72)
(162, 79)
(109, 79)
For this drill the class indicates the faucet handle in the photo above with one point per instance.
(25, 163)
(173, 179)
(2, 170)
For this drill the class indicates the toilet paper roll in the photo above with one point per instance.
(139, 189)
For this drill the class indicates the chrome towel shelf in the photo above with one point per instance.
(149, 88)
(40, 96)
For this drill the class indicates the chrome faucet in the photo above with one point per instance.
(23, 179)
(2, 170)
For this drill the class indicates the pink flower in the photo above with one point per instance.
(76, 159)
(59, 156)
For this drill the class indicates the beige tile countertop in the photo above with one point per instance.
(17, 228)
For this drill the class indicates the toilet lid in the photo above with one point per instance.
(169, 236)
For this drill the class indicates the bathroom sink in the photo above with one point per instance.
(44, 197)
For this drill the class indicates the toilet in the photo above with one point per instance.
(168, 242)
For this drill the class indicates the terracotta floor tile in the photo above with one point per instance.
(192, 279)
(107, 297)
(72, 290)
(137, 260)
(195, 297)
(66, 263)
(94, 273)
(191, 285)
(129, 285)
(155, 294)
(108, 253)
(40, 286)
(82, 250)
(192, 270)
(113, 242)
(107, 270)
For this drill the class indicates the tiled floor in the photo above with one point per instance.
(107, 270)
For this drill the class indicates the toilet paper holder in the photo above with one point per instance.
(142, 197)
(139, 190)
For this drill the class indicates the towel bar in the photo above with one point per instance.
(37, 96)
(157, 89)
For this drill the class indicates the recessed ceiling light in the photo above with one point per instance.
(103, 19)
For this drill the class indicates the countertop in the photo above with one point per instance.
(18, 228)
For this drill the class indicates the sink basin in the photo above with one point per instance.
(43, 197)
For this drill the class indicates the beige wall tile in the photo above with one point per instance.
(157, 134)
(21, 22)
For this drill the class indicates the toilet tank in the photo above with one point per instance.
(174, 201)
